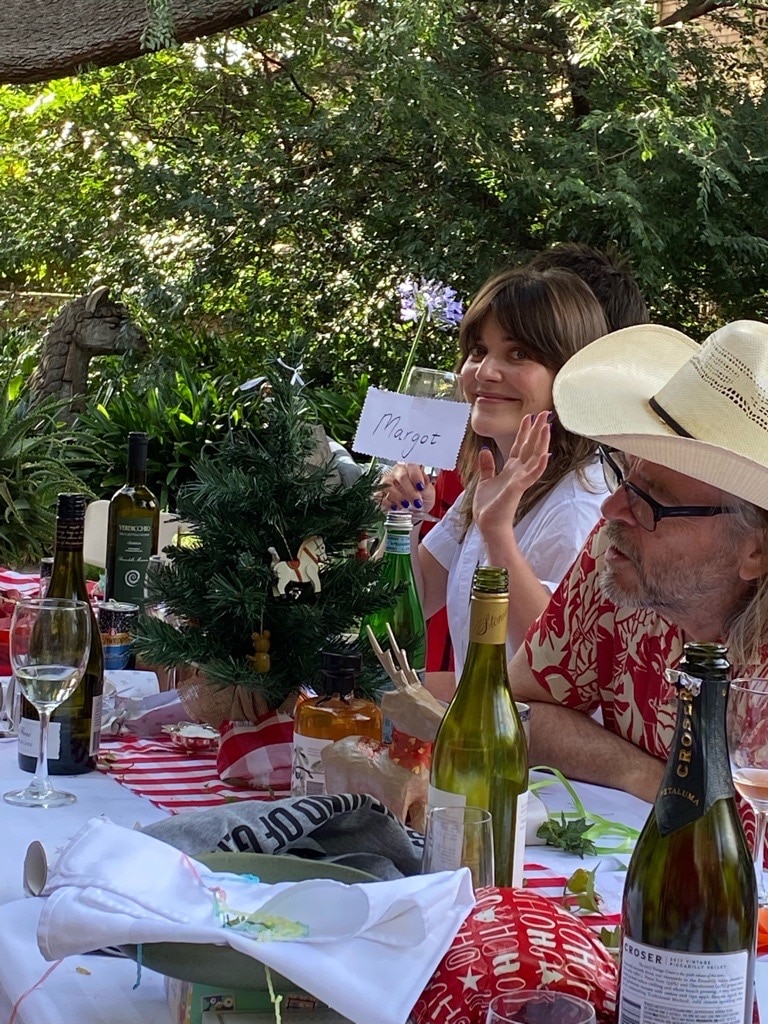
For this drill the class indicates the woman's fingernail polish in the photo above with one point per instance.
(551, 417)
(418, 504)
(405, 504)
(419, 486)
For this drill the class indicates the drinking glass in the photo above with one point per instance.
(748, 747)
(423, 382)
(50, 643)
(539, 1006)
(458, 837)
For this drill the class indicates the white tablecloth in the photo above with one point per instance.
(105, 995)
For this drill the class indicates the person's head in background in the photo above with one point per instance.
(519, 330)
(608, 275)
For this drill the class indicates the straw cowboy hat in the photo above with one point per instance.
(653, 392)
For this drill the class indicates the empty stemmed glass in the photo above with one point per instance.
(50, 641)
(748, 748)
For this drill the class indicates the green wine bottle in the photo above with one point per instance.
(405, 615)
(689, 913)
(480, 757)
(132, 529)
(73, 736)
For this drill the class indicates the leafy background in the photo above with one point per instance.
(267, 189)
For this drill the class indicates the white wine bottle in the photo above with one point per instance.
(480, 757)
(132, 529)
(689, 913)
(73, 735)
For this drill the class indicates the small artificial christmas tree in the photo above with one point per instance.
(238, 605)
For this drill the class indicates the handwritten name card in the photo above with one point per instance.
(403, 428)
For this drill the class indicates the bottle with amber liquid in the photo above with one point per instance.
(73, 736)
(132, 529)
(689, 913)
(331, 716)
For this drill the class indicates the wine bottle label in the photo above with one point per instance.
(93, 746)
(69, 535)
(133, 546)
(29, 739)
(398, 544)
(698, 771)
(669, 987)
(307, 776)
(521, 825)
(447, 840)
(488, 620)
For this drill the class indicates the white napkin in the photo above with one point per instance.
(370, 948)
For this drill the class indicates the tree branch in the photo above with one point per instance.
(44, 39)
(695, 9)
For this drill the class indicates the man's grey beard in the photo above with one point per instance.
(677, 589)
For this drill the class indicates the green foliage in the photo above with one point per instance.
(568, 835)
(284, 178)
(259, 488)
(182, 411)
(33, 454)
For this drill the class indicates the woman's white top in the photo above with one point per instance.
(550, 536)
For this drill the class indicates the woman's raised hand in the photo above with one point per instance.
(406, 487)
(497, 495)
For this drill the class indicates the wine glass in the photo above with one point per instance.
(539, 1006)
(424, 382)
(748, 748)
(50, 644)
(458, 837)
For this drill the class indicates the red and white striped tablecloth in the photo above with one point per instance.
(174, 781)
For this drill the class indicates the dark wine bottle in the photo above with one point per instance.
(480, 757)
(73, 736)
(132, 529)
(689, 913)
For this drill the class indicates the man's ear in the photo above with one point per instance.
(754, 556)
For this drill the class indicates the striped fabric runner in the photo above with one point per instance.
(169, 778)
(175, 781)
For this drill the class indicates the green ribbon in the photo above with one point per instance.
(601, 828)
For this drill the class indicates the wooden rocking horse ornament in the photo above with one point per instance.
(305, 568)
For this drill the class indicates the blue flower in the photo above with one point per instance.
(430, 300)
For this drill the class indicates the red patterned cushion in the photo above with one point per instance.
(516, 939)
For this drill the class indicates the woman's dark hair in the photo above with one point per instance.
(552, 314)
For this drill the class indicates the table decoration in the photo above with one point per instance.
(518, 938)
(396, 773)
(264, 498)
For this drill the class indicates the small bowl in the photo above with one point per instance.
(192, 737)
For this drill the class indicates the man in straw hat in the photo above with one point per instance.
(682, 553)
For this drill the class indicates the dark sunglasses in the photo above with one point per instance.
(646, 510)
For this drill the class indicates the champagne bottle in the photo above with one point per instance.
(132, 529)
(73, 736)
(689, 913)
(405, 615)
(480, 755)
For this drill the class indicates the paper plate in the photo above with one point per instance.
(221, 965)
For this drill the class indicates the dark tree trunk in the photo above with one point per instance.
(43, 39)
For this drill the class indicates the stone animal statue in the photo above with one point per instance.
(398, 774)
(90, 326)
